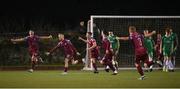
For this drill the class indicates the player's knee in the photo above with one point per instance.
(137, 65)
(145, 64)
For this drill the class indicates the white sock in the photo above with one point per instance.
(171, 66)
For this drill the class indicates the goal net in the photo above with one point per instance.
(119, 26)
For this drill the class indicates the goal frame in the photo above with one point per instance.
(90, 26)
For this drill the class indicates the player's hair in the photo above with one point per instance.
(105, 33)
(132, 28)
(31, 31)
(89, 33)
(167, 29)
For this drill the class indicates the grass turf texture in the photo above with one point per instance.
(86, 79)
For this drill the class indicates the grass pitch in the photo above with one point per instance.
(87, 79)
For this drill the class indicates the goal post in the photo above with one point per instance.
(119, 25)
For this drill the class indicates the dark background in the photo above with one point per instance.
(17, 17)
(68, 13)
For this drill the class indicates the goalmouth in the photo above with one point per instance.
(119, 25)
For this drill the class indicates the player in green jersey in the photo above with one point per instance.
(114, 47)
(175, 39)
(167, 49)
(149, 44)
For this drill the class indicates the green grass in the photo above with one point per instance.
(77, 79)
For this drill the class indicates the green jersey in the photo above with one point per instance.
(167, 45)
(149, 44)
(114, 42)
(175, 40)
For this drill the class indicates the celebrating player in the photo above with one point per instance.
(92, 48)
(149, 44)
(167, 49)
(108, 53)
(140, 50)
(69, 51)
(32, 40)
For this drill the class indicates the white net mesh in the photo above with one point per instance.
(119, 25)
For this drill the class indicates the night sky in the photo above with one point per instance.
(84, 8)
(75, 10)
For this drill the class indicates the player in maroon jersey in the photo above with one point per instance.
(140, 51)
(159, 55)
(93, 49)
(33, 40)
(108, 53)
(70, 51)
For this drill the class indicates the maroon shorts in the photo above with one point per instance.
(94, 54)
(34, 53)
(70, 55)
(107, 58)
(142, 57)
(159, 55)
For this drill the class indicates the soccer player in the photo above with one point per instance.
(32, 40)
(107, 60)
(149, 44)
(69, 51)
(159, 55)
(114, 47)
(175, 39)
(167, 49)
(93, 49)
(140, 51)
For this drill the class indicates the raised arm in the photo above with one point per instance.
(150, 34)
(122, 38)
(45, 37)
(80, 38)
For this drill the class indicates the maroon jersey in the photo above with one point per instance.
(33, 43)
(94, 52)
(137, 40)
(106, 46)
(69, 49)
(158, 43)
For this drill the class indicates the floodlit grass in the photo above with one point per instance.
(86, 79)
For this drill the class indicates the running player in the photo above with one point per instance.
(140, 51)
(93, 49)
(69, 51)
(107, 60)
(167, 49)
(149, 44)
(32, 40)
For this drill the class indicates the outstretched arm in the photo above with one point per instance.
(52, 50)
(80, 38)
(150, 34)
(18, 40)
(45, 37)
(74, 49)
(122, 38)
